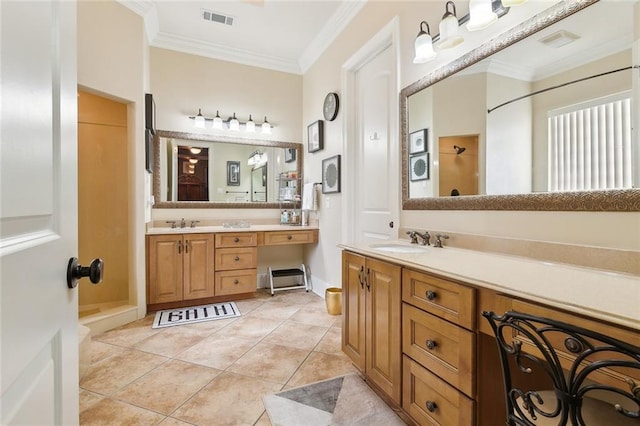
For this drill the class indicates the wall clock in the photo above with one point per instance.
(330, 107)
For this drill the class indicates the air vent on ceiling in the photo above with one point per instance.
(212, 16)
(559, 39)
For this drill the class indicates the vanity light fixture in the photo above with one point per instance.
(266, 127)
(199, 120)
(449, 36)
(424, 45)
(250, 127)
(193, 160)
(195, 150)
(217, 121)
(257, 159)
(481, 15)
(231, 124)
(234, 124)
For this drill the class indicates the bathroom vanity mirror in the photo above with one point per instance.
(489, 144)
(200, 171)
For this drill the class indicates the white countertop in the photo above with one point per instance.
(219, 228)
(603, 295)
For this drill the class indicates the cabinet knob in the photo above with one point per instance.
(431, 344)
(289, 237)
(431, 295)
(236, 258)
(236, 282)
(431, 406)
(236, 240)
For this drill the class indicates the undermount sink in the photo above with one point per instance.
(398, 248)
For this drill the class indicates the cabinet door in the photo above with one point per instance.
(353, 308)
(165, 268)
(383, 347)
(198, 266)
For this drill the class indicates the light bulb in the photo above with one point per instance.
(217, 121)
(195, 150)
(423, 46)
(481, 15)
(449, 36)
(266, 127)
(199, 120)
(250, 126)
(234, 124)
(193, 160)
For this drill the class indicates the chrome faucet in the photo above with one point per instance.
(439, 238)
(172, 222)
(182, 223)
(413, 236)
(193, 223)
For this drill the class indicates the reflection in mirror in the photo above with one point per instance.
(214, 171)
(529, 118)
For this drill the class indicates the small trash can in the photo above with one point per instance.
(333, 299)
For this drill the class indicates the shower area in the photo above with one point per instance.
(103, 210)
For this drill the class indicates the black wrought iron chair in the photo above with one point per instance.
(592, 378)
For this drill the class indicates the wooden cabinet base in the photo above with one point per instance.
(197, 302)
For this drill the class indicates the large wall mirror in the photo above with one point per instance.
(200, 171)
(504, 127)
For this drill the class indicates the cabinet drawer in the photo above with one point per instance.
(274, 238)
(236, 258)
(431, 401)
(442, 347)
(235, 282)
(446, 299)
(236, 239)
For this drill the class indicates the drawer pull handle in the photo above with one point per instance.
(236, 258)
(431, 344)
(431, 295)
(236, 282)
(289, 237)
(431, 406)
(236, 240)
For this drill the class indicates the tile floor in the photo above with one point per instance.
(215, 372)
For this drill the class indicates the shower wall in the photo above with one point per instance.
(103, 188)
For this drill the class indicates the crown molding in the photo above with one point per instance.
(224, 53)
(338, 22)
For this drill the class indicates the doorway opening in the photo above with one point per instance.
(103, 205)
(458, 165)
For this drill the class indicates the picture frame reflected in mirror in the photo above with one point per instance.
(233, 173)
(418, 141)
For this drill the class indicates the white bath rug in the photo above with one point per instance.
(193, 314)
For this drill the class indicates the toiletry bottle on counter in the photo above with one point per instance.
(295, 218)
(284, 218)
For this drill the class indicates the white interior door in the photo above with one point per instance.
(38, 213)
(377, 154)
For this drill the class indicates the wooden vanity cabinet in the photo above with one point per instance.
(180, 267)
(236, 263)
(439, 349)
(371, 321)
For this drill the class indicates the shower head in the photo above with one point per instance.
(459, 150)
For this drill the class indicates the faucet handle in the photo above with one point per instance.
(172, 222)
(413, 235)
(426, 238)
(439, 238)
(193, 223)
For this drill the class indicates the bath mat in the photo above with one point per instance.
(171, 317)
(339, 401)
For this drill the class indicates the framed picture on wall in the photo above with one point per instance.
(331, 175)
(419, 167)
(418, 141)
(289, 155)
(315, 136)
(233, 173)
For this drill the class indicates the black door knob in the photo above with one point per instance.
(75, 271)
(391, 224)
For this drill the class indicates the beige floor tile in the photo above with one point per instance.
(247, 305)
(217, 351)
(129, 334)
(320, 366)
(115, 413)
(254, 328)
(331, 342)
(315, 314)
(212, 326)
(170, 421)
(100, 351)
(87, 399)
(229, 399)
(265, 361)
(167, 387)
(296, 335)
(171, 341)
(263, 420)
(275, 310)
(117, 371)
(295, 297)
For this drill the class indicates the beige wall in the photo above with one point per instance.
(613, 230)
(111, 62)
